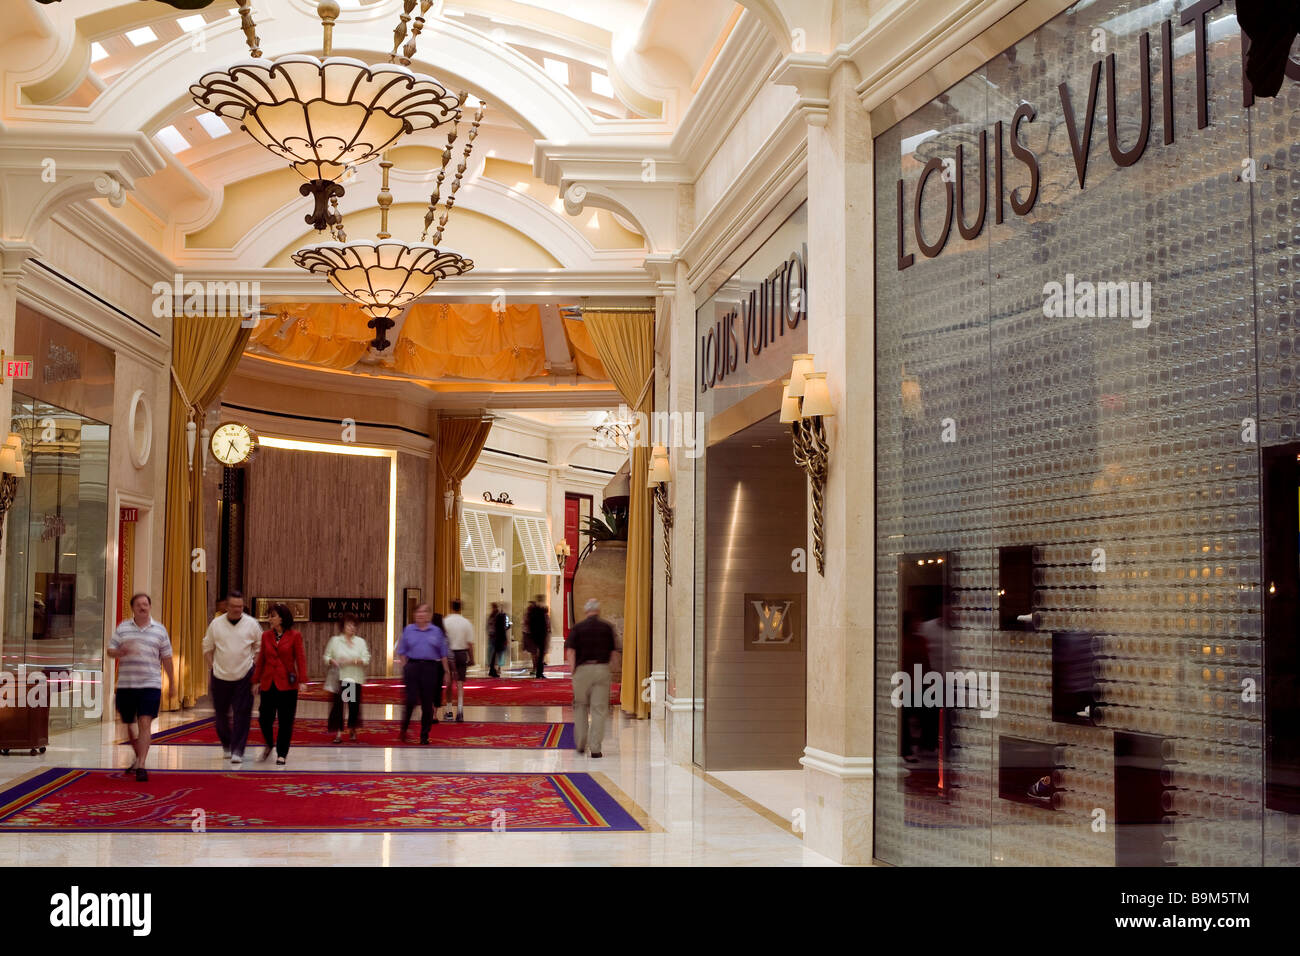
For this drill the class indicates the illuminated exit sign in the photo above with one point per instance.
(16, 366)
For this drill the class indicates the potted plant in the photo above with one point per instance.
(603, 564)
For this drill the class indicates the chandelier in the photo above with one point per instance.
(386, 275)
(326, 115)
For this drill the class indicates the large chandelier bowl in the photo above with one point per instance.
(383, 277)
(324, 115)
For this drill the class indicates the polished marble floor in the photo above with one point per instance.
(697, 822)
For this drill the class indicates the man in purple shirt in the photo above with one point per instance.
(425, 657)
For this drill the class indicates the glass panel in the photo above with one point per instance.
(933, 431)
(1102, 533)
(1275, 149)
(56, 557)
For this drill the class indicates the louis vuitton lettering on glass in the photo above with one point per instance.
(1092, 473)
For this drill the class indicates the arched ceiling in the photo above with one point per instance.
(574, 74)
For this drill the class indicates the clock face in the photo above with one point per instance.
(233, 443)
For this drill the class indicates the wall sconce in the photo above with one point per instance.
(562, 552)
(805, 403)
(660, 474)
(11, 465)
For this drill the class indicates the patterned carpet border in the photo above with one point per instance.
(574, 802)
(312, 732)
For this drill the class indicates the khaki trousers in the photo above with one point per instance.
(590, 697)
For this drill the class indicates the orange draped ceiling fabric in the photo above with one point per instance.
(459, 442)
(625, 343)
(584, 351)
(441, 340)
(437, 340)
(205, 350)
(316, 333)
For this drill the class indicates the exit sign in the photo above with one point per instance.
(18, 366)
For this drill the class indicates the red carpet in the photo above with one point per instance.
(311, 732)
(64, 800)
(479, 692)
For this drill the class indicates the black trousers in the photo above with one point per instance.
(539, 661)
(282, 704)
(423, 687)
(233, 696)
(349, 693)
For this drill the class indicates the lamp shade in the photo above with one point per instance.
(325, 115)
(659, 467)
(9, 463)
(789, 405)
(803, 364)
(383, 277)
(817, 396)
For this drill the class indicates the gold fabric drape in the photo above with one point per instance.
(583, 351)
(437, 340)
(471, 341)
(204, 352)
(330, 334)
(625, 344)
(459, 442)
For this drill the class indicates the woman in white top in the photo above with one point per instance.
(351, 655)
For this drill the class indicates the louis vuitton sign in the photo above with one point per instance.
(774, 622)
(760, 317)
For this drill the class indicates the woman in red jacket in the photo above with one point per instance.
(281, 666)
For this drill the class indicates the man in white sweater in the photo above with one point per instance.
(460, 638)
(229, 647)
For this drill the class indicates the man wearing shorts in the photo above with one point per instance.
(143, 650)
(460, 638)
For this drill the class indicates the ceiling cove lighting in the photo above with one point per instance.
(385, 275)
(324, 115)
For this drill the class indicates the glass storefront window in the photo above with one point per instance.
(1068, 511)
(55, 547)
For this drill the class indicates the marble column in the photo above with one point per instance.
(679, 613)
(838, 756)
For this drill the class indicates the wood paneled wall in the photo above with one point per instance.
(755, 700)
(318, 527)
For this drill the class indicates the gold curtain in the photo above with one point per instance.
(205, 350)
(625, 344)
(459, 442)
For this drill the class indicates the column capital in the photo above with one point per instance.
(811, 74)
(13, 256)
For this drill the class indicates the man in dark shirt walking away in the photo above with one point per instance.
(592, 651)
(537, 634)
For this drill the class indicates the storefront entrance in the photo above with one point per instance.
(55, 568)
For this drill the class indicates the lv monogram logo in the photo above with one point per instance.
(771, 622)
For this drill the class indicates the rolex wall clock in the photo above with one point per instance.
(234, 444)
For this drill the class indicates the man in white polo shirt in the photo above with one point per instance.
(143, 650)
(229, 647)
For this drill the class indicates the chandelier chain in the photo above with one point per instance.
(442, 171)
(399, 34)
(460, 172)
(250, 29)
(409, 50)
